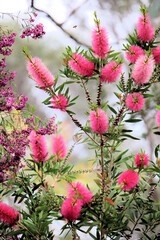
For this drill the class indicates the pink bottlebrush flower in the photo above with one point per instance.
(59, 148)
(145, 30)
(71, 208)
(129, 179)
(156, 54)
(111, 72)
(38, 147)
(140, 159)
(40, 74)
(158, 118)
(135, 101)
(100, 44)
(133, 54)
(80, 191)
(98, 121)
(8, 215)
(143, 69)
(81, 65)
(60, 102)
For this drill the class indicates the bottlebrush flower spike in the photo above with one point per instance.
(40, 74)
(100, 43)
(140, 159)
(98, 121)
(38, 147)
(128, 179)
(156, 54)
(145, 30)
(143, 69)
(81, 65)
(79, 191)
(158, 118)
(135, 101)
(71, 208)
(8, 215)
(111, 72)
(133, 53)
(60, 102)
(59, 147)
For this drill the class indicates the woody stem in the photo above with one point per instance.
(102, 186)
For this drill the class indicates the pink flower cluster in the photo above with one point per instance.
(134, 53)
(40, 73)
(110, 72)
(135, 101)
(59, 102)
(8, 215)
(144, 65)
(145, 30)
(98, 121)
(143, 69)
(81, 65)
(156, 55)
(100, 46)
(59, 147)
(49, 129)
(100, 43)
(5, 43)
(39, 147)
(128, 180)
(9, 102)
(79, 195)
(35, 31)
(5, 77)
(141, 159)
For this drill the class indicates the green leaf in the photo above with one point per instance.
(120, 155)
(129, 136)
(157, 106)
(157, 133)
(133, 120)
(157, 149)
(112, 109)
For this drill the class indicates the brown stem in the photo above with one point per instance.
(102, 186)
(99, 93)
(78, 124)
(24, 227)
(73, 232)
(87, 92)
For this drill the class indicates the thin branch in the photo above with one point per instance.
(75, 10)
(87, 92)
(78, 124)
(99, 93)
(24, 227)
(59, 25)
(102, 186)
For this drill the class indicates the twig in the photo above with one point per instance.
(87, 92)
(103, 186)
(81, 171)
(24, 227)
(60, 25)
(78, 124)
(99, 93)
